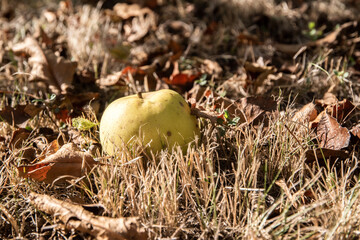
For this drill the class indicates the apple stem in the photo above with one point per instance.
(140, 94)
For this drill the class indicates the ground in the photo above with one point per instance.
(274, 86)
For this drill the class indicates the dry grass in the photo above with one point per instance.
(253, 182)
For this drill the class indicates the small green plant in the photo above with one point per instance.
(202, 80)
(312, 32)
(342, 75)
(83, 124)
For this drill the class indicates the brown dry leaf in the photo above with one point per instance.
(74, 216)
(199, 92)
(328, 99)
(19, 115)
(355, 131)
(112, 80)
(325, 153)
(68, 162)
(260, 73)
(50, 149)
(81, 98)
(211, 68)
(306, 113)
(331, 37)
(143, 19)
(79, 139)
(182, 80)
(331, 135)
(126, 11)
(255, 67)
(231, 107)
(56, 71)
(249, 110)
(341, 110)
(313, 124)
(18, 137)
(256, 108)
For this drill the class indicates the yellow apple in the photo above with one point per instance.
(159, 119)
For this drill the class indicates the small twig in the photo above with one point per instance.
(198, 113)
(11, 220)
(296, 139)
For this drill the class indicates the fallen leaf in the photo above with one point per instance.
(68, 162)
(112, 80)
(341, 110)
(211, 67)
(142, 20)
(231, 107)
(255, 67)
(328, 99)
(19, 115)
(56, 71)
(81, 98)
(18, 137)
(80, 139)
(83, 124)
(75, 216)
(290, 49)
(355, 131)
(250, 110)
(256, 108)
(306, 113)
(63, 115)
(259, 73)
(126, 11)
(181, 80)
(212, 116)
(314, 123)
(323, 154)
(331, 135)
(50, 149)
(331, 37)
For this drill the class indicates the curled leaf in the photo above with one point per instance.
(75, 216)
(306, 113)
(331, 135)
(67, 162)
(56, 71)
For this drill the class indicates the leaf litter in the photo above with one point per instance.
(240, 78)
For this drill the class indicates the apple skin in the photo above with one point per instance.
(161, 119)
